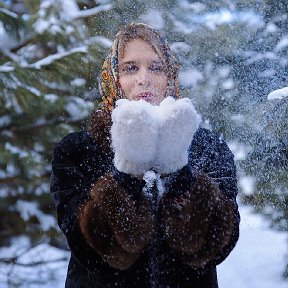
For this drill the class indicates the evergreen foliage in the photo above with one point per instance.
(265, 68)
(45, 93)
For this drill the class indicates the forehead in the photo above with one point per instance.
(138, 49)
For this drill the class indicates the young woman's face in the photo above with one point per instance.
(142, 74)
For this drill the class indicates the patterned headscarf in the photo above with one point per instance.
(110, 87)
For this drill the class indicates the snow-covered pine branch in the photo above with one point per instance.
(8, 13)
(278, 94)
(91, 12)
(51, 58)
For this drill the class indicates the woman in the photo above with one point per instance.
(170, 229)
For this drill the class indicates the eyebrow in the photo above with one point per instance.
(133, 62)
(127, 62)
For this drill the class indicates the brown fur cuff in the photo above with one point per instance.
(220, 234)
(114, 225)
(196, 220)
(93, 225)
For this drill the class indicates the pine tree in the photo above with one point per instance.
(268, 132)
(48, 70)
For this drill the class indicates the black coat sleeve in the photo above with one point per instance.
(211, 154)
(199, 210)
(76, 164)
(217, 162)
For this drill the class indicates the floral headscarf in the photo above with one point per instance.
(110, 88)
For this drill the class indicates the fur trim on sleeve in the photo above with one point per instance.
(197, 223)
(221, 231)
(93, 225)
(114, 225)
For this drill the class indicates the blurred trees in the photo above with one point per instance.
(48, 71)
(232, 54)
(41, 78)
(267, 64)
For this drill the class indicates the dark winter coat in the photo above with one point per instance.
(116, 239)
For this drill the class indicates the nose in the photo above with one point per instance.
(143, 77)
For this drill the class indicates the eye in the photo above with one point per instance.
(129, 68)
(157, 67)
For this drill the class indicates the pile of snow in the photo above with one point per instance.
(92, 11)
(6, 40)
(190, 77)
(282, 44)
(215, 18)
(51, 58)
(258, 259)
(42, 266)
(278, 94)
(28, 209)
(78, 108)
(154, 18)
(163, 140)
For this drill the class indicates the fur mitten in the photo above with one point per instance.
(113, 225)
(177, 123)
(196, 220)
(134, 136)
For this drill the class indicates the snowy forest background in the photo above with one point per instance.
(232, 55)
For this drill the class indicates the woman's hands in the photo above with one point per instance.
(198, 223)
(146, 136)
(177, 122)
(134, 136)
(114, 225)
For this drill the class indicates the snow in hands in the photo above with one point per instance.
(134, 136)
(145, 136)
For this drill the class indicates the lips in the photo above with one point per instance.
(147, 96)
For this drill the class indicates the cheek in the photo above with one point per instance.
(126, 83)
(161, 83)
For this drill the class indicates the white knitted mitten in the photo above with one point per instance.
(134, 136)
(177, 122)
